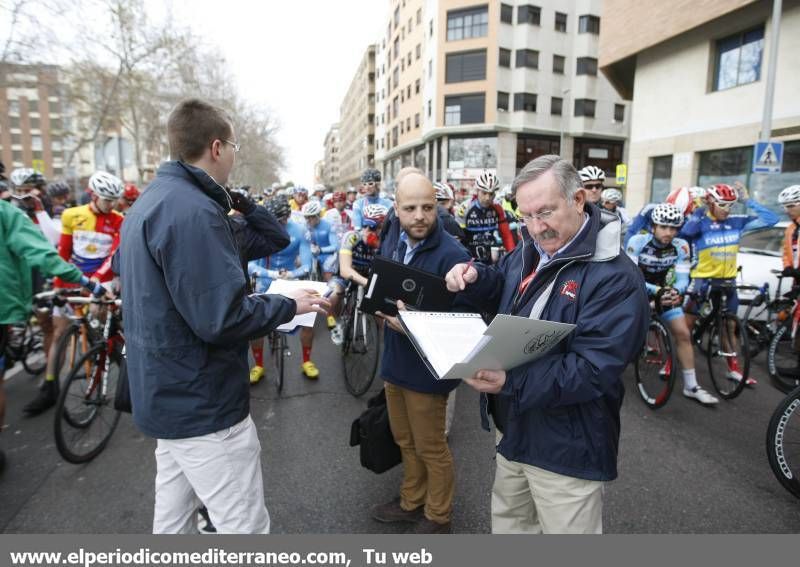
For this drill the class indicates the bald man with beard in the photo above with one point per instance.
(416, 400)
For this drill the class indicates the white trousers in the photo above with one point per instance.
(223, 471)
(531, 500)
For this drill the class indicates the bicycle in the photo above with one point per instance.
(783, 442)
(655, 368)
(764, 316)
(783, 356)
(721, 330)
(360, 344)
(25, 343)
(81, 427)
(279, 349)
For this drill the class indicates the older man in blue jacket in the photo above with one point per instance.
(188, 318)
(416, 400)
(558, 417)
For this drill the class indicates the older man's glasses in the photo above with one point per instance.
(540, 216)
(236, 147)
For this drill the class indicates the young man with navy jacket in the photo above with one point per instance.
(188, 317)
(416, 400)
(558, 417)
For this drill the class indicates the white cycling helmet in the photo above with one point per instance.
(312, 209)
(23, 176)
(611, 196)
(106, 186)
(592, 173)
(667, 214)
(790, 195)
(487, 182)
(443, 192)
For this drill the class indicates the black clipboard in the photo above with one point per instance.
(389, 281)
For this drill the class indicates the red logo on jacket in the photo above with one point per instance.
(570, 289)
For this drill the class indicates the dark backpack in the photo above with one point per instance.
(372, 432)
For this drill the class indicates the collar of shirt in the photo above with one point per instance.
(410, 250)
(544, 257)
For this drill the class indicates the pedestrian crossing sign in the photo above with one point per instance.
(768, 157)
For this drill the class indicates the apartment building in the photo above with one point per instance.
(330, 172)
(463, 86)
(357, 123)
(698, 84)
(31, 118)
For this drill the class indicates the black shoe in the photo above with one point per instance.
(204, 522)
(426, 526)
(48, 394)
(2, 461)
(392, 512)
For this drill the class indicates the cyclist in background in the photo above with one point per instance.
(593, 179)
(714, 234)
(484, 222)
(324, 244)
(338, 216)
(687, 199)
(371, 185)
(58, 191)
(444, 199)
(665, 264)
(129, 196)
(789, 199)
(291, 263)
(299, 198)
(611, 200)
(352, 197)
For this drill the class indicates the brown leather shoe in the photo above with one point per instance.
(426, 526)
(392, 512)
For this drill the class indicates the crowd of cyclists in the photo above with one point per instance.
(683, 246)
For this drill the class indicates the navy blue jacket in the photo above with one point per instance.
(187, 313)
(401, 364)
(561, 411)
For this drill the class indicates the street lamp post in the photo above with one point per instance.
(565, 92)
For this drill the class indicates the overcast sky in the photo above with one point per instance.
(296, 58)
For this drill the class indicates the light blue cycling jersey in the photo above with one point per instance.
(358, 208)
(662, 265)
(324, 236)
(267, 269)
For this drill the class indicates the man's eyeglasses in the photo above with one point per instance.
(542, 216)
(236, 147)
(369, 184)
(594, 187)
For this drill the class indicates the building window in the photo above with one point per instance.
(397, 17)
(419, 51)
(430, 68)
(416, 87)
(465, 66)
(431, 28)
(13, 107)
(588, 24)
(408, 91)
(556, 104)
(409, 25)
(584, 107)
(36, 143)
(419, 15)
(464, 109)
(463, 24)
(416, 120)
(13, 121)
(403, 64)
(558, 64)
(402, 95)
(561, 22)
(661, 180)
(395, 77)
(525, 101)
(528, 58)
(430, 108)
(586, 66)
(472, 153)
(619, 113)
(505, 58)
(402, 127)
(529, 15)
(502, 101)
(409, 58)
(738, 59)
(34, 122)
(408, 124)
(506, 14)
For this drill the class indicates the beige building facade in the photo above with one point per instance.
(465, 86)
(357, 123)
(330, 171)
(698, 88)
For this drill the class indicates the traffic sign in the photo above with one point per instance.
(622, 174)
(768, 157)
(38, 165)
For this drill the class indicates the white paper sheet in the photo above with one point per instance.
(285, 287)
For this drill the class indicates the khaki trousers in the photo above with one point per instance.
(417, 422)
(530, 500)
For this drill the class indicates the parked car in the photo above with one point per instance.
(761, 251)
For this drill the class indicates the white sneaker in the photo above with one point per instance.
(701, 396)
(736, 376)
(337, 336)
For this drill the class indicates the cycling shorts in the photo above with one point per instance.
(672, 314)
(699, 288)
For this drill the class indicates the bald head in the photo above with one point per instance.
(416, 185)
(406, 171)
(415, 206)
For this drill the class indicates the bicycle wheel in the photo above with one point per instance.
(85, 417)
(783, 359)
(783, 443)
(656, 367)
(724, 357)
(360, 352)
(756, 323)
(278, 347)
(34, 358)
